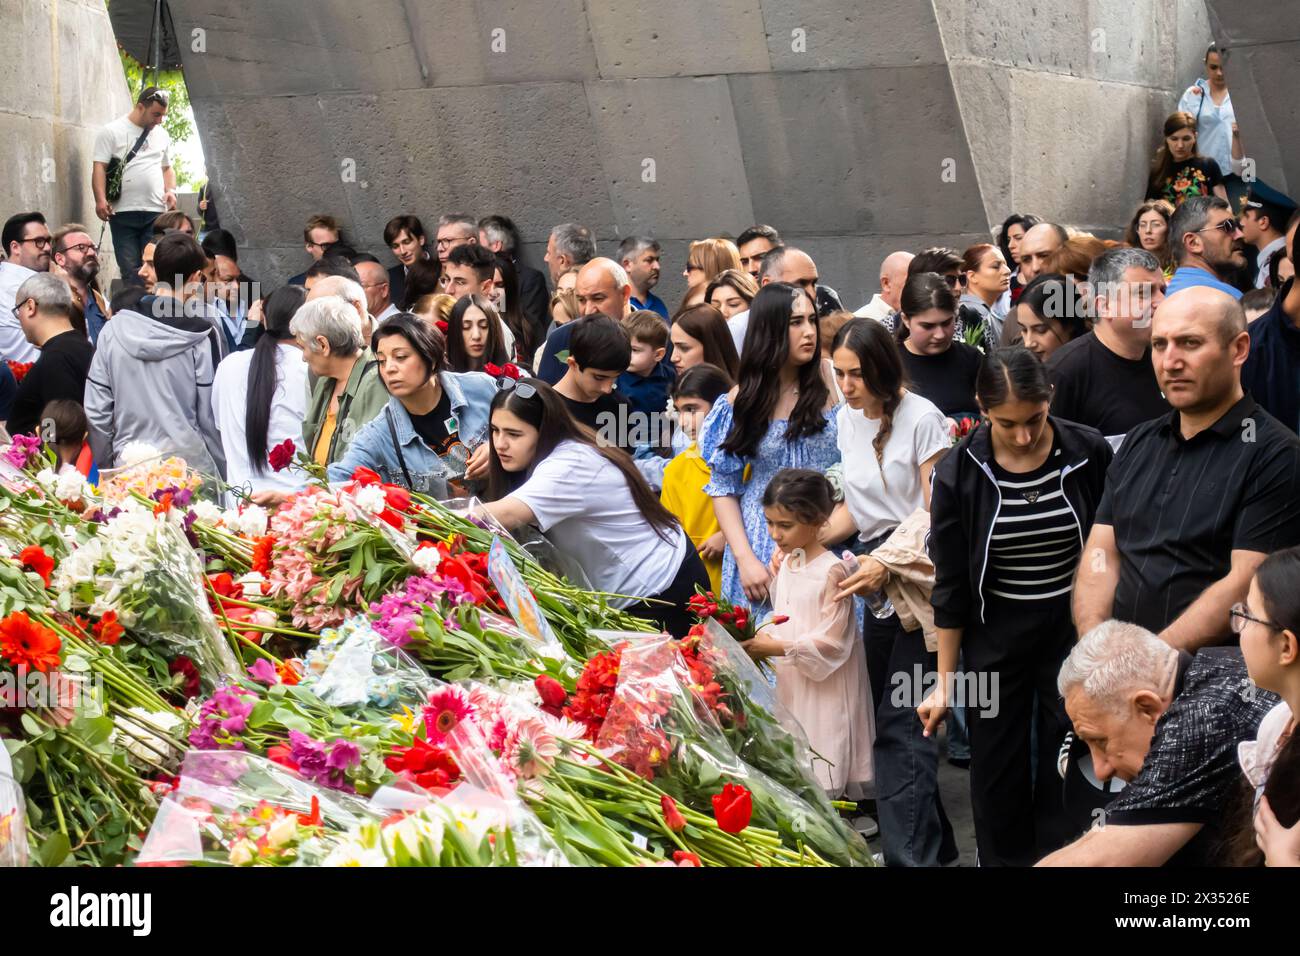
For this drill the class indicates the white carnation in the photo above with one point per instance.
(371, 499)
(426, 559)
(206, 511)
(252, 521)
(70, 486)
(47, 479)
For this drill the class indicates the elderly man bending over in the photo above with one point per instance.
(1168, 724)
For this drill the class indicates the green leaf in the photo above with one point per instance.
(349, 542)
(54, 850)
(263, 711)
(94, 730)
(30, 725)
(287, 718)
(708, 774)
(77, 663)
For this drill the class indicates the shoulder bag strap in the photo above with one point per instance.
(136, 148)
(397, 447)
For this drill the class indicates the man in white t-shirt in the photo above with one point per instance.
(148, 181)
(893, 276)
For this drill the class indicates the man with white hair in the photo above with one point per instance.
(350, 292)
(1168, 724)
(603, 289)
(893, 276)
(44, 311)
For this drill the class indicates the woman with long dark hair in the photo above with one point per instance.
(1013, 229)
(700, 335)
(1178, 171)
(780, 415)
(423, 278)
(505, 298)
(890, 440)
(474, 335)
(1011, 506)
(259, 398)
(1268, 626)
(432, 434)
(546, 469)
(1052, 310)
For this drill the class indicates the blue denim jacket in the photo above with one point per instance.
(471, 399)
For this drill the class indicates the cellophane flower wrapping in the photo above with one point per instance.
(664, 726)
(757, 726)
(232, 808)
(354, 666)
(140, 565)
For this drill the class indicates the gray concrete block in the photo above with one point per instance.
(1051, 179)
(1270, 123)
(1250, 22)
(526, 150)
(671, 155)
(983, 92)
(251, 47)
(91, 83)
(29, 154)
(856, 151)
(273, 165)
(849, 34)
(1193, 36)
(27, 81)
(502, 41)
(678, 38)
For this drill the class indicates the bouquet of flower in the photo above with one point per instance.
(959, 428)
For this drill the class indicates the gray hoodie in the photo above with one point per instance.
(151, 381)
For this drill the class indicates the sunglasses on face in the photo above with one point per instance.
(1228, 226)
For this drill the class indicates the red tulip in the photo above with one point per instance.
(733, 807)
(672, 816)
(550, 690)
(682, 858)
(365, 476)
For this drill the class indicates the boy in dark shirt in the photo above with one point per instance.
(599, 352)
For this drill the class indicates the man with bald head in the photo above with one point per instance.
(1037, 247)
(1195, 499)
(893, 276)
(375, 285)
(603, 288)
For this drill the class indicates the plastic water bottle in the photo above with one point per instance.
(878, 602)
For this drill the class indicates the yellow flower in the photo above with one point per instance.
(406, 720)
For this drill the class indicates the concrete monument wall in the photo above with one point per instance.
(854, 126)
(60, 80)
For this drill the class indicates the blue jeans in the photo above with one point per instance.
(131, 231)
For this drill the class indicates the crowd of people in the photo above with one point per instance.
(1039, 497)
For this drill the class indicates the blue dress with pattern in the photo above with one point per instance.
(818, 451)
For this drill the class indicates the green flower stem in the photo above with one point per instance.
(54, 797)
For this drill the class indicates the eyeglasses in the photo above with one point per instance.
(19, 307)
(1238, 616)
(1228, 226)
(1152, 226)
(522, 389)
(40, 241)
(82, 248)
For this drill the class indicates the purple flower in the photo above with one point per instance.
(187, 525)
(344, 755)
(263, 671)
(22, 449)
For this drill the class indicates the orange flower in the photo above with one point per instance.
(164, 504)
(107, 630)
(34, 558)
(28, 644)
(262, 548)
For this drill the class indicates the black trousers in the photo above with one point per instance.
(1015, 656)
(673, 616)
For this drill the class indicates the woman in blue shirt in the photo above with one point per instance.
(432, 434)
(781, 415)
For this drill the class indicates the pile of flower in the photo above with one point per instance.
(339, 682)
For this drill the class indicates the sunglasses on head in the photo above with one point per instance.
(522, 389)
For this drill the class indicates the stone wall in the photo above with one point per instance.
(60, 80)
(854, 126)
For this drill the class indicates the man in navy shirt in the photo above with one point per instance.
(640, 256)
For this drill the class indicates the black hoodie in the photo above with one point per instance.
(964, 504)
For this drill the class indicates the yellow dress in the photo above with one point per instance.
(683, 494)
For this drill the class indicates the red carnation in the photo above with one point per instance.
(107, 630)
(34, 558)
(733, 807)
(281, 456)
(184, 667)
(672, 816)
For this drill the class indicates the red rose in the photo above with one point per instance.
(34, 558)
(551, 691)
(732, 808)
(672, 816)
(281, 456)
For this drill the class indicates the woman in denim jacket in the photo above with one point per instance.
(432, 435)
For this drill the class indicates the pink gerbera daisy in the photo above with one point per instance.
(447, 707)
(531, 748)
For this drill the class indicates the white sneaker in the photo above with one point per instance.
(865, 825)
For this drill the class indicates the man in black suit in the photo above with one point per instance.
(404, 235)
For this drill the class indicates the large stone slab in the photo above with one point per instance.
(476, 150)
(27, 75)
(502, 41)
(254, 47)
(671, 155)
(856, 151)
(678, 38)
(849, 34)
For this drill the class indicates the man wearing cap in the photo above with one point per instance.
(1264, 215)
(138, 147)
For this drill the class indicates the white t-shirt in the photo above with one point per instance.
(584, 506)
(738, 325)
(142, 180)
(288, 408)
(879, 504)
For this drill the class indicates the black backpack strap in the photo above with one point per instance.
(136, 148)
(397, 447)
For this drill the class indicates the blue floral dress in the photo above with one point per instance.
(728, 479)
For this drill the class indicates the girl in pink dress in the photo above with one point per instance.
(820, 663)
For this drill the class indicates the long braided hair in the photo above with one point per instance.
(882, 373)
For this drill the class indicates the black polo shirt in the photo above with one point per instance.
(1180, 507)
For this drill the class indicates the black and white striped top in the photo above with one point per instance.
(1034, 548)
